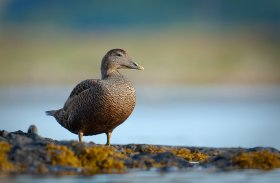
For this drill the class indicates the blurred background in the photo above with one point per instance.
(212, 68)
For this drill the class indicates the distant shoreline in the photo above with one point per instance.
(176, 55)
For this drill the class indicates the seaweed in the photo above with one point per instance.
(102, 159)
(92, 160)
(62, 155)
(264, 160)
(188, 155)
(5, 165)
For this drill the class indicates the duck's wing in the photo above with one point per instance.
(81, 87)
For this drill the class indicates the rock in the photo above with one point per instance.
(32, 129)
(4, 133)
(30, 153)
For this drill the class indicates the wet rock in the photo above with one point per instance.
(4, 133)
(169, 169)
(171, 160)
(30, 153)
(32, 129)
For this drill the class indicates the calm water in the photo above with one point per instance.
(153, 177)
(216, 116)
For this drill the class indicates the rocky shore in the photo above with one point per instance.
(29, 153)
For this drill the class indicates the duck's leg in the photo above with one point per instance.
(81, 134)
(108, 138)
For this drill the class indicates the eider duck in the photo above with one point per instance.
(98, 106)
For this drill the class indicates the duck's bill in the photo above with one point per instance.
(137, 66)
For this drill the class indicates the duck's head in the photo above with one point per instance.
(117, 59)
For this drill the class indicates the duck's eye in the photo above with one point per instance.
(119, 55)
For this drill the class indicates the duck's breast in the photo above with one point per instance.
(109, 104)
(121, 100)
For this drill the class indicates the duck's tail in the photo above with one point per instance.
(59, 115)
(51, 113)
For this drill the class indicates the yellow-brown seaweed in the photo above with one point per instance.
(5, 165)
(181, 152)
(190, 156)
(264, 160)
(62, 155)
(92, 160)
(102, 159)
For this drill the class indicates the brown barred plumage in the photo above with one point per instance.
(98, 106)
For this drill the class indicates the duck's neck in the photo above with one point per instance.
(107, 73)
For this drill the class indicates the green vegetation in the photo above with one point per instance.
(176, 55)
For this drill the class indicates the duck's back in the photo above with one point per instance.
(102, 107)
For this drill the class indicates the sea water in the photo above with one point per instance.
(212, 116)
(191, 176)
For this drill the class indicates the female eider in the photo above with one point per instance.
(98, 106)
